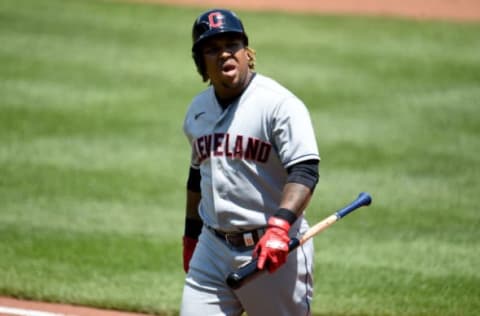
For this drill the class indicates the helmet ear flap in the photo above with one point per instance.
(198, 58)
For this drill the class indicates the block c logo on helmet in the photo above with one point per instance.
(215, 19)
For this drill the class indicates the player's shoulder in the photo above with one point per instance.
(270, 85)
(200, 100)
(273, 94)
(203, 96)
(198, 106)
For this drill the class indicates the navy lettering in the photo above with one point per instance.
(208, 143)
(228, 152)
(238, 150)
(252, 148)
(201, 150)
(264, 152)
(217, 144)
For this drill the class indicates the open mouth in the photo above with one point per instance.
(228, 67)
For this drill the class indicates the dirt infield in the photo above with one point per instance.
(16, 307)
(459, 10)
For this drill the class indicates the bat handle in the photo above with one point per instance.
(293, 244)
(245, 273)
(249, 271)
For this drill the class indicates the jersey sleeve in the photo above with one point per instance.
(292, 132)
(194, 161)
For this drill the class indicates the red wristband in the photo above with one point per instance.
(189, 245)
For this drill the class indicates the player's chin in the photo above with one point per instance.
(231, 75)
(232, 81)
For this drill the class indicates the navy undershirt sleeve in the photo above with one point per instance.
(193, 182)
(305, 172)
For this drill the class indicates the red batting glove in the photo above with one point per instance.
(272, 248)
(189, 245)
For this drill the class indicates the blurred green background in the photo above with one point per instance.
(93, 160)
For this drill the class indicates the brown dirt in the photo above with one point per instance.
(460, 10)
(26, 308)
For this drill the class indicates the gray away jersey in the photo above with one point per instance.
(242, 151)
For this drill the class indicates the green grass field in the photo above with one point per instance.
(93, 161)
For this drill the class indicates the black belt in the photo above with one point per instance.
(245, 239)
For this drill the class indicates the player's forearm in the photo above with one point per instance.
(193, 223)
(295, 197)
(193, 194)
(193, 199)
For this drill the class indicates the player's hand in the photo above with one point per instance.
(189, 245)
(272, 248)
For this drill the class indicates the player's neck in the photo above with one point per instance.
(225, 97)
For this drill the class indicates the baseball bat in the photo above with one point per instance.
(249, 271)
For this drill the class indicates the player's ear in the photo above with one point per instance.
(251, 57)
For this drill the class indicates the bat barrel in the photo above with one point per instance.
(363, 199)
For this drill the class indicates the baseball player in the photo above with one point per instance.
(254, 167)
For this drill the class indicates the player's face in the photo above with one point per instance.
(226, 64)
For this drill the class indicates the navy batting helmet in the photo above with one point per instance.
(215, 22)
(212, 23)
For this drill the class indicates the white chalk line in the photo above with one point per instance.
(25, 312)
